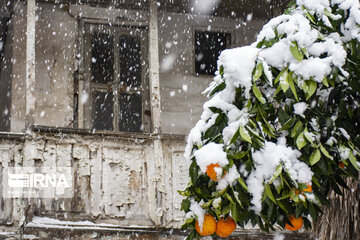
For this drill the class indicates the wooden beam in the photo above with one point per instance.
(154, 67)
(30, 66)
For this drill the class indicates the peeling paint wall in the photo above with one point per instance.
(112, 181)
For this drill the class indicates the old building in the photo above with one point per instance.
(110, 88)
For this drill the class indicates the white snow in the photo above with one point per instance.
(300, 108)
(204, 6)
(266, 160)
(210, 153)
(279, 236)
(229, 178)
(198, 212)
(344, 153)
(345, 133)
(168, 62)
(237, 76)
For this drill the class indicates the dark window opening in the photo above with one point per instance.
(208, 46)
(130, 61)
(102, 61)
(103, 104)
(130, 112)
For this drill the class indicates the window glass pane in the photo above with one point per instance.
(102, 57)
(102, 110)
(130, 112)
(130, 61)
(208, 46)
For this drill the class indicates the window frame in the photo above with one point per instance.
(87, 87)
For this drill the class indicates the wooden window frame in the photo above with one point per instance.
(87, 87)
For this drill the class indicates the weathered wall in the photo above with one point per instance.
(56, 62)
(56, 39)
(56, 35)
(180, 87)
(111, 176)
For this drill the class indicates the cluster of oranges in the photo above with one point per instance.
(223, 228)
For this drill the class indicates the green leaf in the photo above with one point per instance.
(229, 198)
(185, 205)
(235, 137)
(289, 123)
(295, 52)
(235, 212)
(325, 152)
(292, 86)
(193, 172)
(300, 141)
(325, 82)
(218, 88)
(353, 161)
(258, 94)
(226, 209)
(244, 134)
(277, 172)
(270, 128)
(310, 87)
(315, 157)
(269, 193)
(258, 71)
(236, 197)
(284, 81)
(242, 183)
(310, 17)
(284, 206)
(239, 155)
(277, 79)
(297, 129)
(192, 235)
(306, 135)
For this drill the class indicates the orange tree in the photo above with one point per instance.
(281, 127)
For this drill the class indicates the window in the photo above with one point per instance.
(208, 46)
(116, 78)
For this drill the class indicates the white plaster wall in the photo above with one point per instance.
(181, 98)
(56, 35)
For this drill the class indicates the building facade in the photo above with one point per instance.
(110, 88)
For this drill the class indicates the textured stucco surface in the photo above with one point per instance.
(113, 180)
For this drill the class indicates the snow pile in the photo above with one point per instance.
(266, 160)
(211, 153)
(197, 210)
(229, 178)
(237, 76)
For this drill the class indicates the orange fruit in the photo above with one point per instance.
(296, 223)
(342, 165)
(225, 227)
(209, 226)
(210, 171)
(308, 189)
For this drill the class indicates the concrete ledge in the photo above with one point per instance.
(102, 133)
